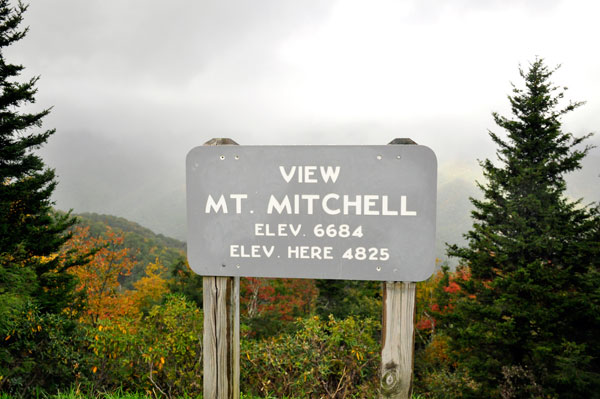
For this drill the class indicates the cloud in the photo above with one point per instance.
(144, 81)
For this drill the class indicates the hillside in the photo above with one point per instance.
(165, 211)
(145, 245)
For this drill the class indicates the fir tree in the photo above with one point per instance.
(30, 232)
(526, 323)
(36, 290)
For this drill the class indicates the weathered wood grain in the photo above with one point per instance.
(397, 348)
(221, 340)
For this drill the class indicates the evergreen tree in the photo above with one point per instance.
(36, 289)
(30, 232)
(526, 323)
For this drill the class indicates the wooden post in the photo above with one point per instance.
(221, 338)
(398, 334)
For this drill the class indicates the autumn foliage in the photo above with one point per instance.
(99, 278)
(435, 296)
(284, 299)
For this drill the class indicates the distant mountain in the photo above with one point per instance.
(453, 220)
(457, 182)
(160, 203)
(455, 185)
(146, 245)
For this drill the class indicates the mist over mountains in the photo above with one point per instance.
(147, 187)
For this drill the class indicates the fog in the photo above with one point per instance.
(134, 85)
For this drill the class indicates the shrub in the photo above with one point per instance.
(323, 358)
(115, 361)
(172, 347)
(445, 383)
(39, 350)
(159, 354)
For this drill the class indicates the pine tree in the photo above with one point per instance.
(37, 332)
(30, 231)
(526, 324)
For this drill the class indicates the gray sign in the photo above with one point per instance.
(327, 212)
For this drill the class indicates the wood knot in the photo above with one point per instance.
(390, 382)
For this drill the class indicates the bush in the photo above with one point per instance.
(159, 354)
(445, 383)
(115, 361)
(332, 359)
(39, 351)
(172, 347)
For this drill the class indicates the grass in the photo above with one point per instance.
(77, 394)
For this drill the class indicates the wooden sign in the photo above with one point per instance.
(328, 212)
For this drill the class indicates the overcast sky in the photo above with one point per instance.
(135, 84)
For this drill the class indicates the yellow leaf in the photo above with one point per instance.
(99, 328)
(94, 369)
(39, 328)
(7, 338)
(96, 338)
(162, 360)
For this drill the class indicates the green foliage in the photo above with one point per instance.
(323, 358)
(343, 298)
(76, 393)
(39, 346)
(118, 394)
(114, 361)
(185, 282)
(443, 383)
(39, 350)
(160, 353)
(172, 352)
(525, 323)
(29, 230)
